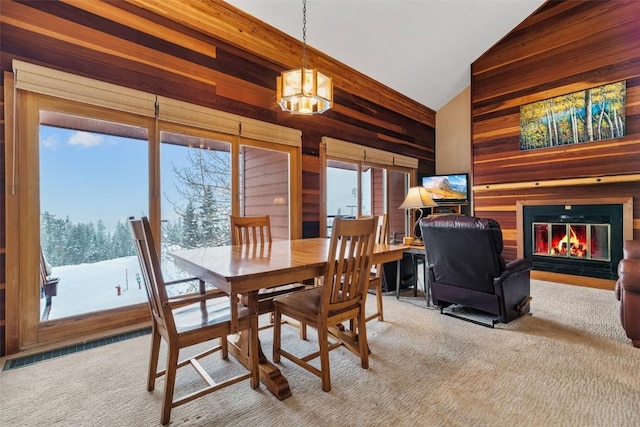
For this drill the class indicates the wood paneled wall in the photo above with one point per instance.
(562, 48)
(266, 179)
(210, 54)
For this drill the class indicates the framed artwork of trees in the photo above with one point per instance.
(594, 114)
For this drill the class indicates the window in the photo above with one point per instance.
(86, 155)
(364, 181)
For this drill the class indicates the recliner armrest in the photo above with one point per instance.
(515, 267)
(629, 275)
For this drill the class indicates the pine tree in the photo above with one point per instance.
(101, 242)
(121, 242)
(206, 184)
(190, 232)
(207, 217)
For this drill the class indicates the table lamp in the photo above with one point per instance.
(417, 198)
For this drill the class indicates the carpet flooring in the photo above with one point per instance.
(568, 363)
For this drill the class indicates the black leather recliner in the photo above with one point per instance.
(465, 266)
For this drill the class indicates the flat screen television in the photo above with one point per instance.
(447, 189)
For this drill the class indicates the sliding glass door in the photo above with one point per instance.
(195, 193)
(93, 174)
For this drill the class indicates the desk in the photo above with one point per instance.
(417, 253)
(245, 269)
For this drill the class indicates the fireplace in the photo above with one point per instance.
(581, 239)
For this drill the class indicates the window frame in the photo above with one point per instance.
(23, 328)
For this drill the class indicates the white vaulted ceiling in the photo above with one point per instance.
(420, 48)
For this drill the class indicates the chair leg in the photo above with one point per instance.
(153, 359)
(323, 340)
(254, 353)
(224, 344)
(169, 383)
(303, 331)
(379, 300)
(377, 286)
(362, 340)
(277, 324)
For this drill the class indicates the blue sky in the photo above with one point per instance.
(88, 176)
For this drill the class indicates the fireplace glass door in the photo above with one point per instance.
(572, 240)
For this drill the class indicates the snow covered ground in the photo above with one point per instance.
(86, 288)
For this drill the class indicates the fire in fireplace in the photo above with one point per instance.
(584, 240)
(576, 240)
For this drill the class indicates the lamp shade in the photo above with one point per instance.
(417, 197)
(304, 91)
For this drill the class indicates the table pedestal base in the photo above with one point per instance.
(270, 374)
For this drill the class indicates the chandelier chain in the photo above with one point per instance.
(304, 33)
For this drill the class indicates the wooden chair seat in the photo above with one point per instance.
(215, 313)
(309, 302)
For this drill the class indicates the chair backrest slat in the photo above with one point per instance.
(250, 229)
(382, 234)
(349, 262)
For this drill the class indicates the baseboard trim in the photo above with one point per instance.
(20, 361)
(589, 282)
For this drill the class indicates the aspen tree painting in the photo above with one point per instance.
(590, 115)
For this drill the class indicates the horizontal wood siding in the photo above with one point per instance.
(562, 48)
(214, 55)
(266, 179)
(377, 192)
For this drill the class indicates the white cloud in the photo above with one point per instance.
(51, 142)
(85, 139)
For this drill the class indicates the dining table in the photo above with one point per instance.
(245, 269)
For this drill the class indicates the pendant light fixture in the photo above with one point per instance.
(304, 90)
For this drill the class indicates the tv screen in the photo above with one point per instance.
(451, 188)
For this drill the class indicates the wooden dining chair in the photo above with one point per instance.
(256, 230)
(250, 229)
(340, 298)
(375, 279)
(187, 320)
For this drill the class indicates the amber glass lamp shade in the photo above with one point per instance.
(304, 91)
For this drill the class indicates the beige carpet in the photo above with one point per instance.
(567, 364)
